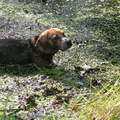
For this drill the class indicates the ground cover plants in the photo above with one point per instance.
(86, 83)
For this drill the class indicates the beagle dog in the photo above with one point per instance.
(38, 50)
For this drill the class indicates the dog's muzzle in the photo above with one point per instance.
(65, 44)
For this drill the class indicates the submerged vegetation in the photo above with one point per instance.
(86, 83)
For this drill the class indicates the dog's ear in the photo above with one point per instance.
(43, 43)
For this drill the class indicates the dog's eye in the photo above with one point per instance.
(57, 38)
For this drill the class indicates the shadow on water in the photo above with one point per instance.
(58, 73)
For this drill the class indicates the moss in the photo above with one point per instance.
(94, 30)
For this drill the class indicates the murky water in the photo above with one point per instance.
(94, 28)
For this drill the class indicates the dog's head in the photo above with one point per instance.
(53, 40)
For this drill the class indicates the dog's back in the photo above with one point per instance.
(14, 51)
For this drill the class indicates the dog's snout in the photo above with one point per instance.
(65, 43)
(69, 42)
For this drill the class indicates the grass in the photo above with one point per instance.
(102, 106)
(4, 115)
